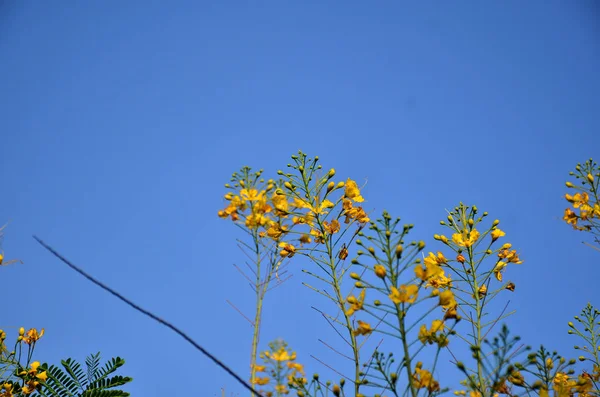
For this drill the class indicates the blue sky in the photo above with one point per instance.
(121, 123)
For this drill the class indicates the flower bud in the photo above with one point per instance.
(354, 276)
(330, 186)
(421, 245)
(590, 178)
(331, 173)
(471, 222)
(495, 223)
(371, 250)
(569, 184)
(399, 250)
(288, 186)
(21, 331)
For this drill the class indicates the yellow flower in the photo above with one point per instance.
(332, 227)
(422, 379)
(352, 191)
(482, 291)
(261, 381)
(275, 231)
(570, 217)
(295, 366)
(351, 212)
(466, 238)
(253, 221)
(509, 255)
(319, 237)
(33, 336)
(281, 355)
(305, 239)
(364, 328)
(428, 270)
(280, 203)
(447, 300)
(251, 194)
(287, 249)
(259, 368)
(355, 304)
(432, 259)
(496, 234)
(498, 270)
(405, 294)
(439, 281)
(578, 199)
(429, 336)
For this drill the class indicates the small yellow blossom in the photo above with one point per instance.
(433, 259)
(428, 270)
(280, 203)
(33, 336)
(281, 355)
(465, 238)
(510, 256)
(422, 379)
(498, 270)
(364, 328)
(275, 231)
(570, 217)
(305, 239)
(482, 291)
(287, 249)
(404, 294)
(439, 281)
(332, 227)
(429, 336)
(352, 191)
(447, 300)
(261, 381)
(295, 366)
(496, 234)
(355, 304)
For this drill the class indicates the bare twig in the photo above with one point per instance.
(240, 312)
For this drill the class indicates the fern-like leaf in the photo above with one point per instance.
(93, 363)
(73, 368)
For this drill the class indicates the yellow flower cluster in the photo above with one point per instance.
(32, 378)
(274, 208)
(280, 368)
(423, 379)
(584, 213)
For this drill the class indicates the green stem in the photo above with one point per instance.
(407, 358)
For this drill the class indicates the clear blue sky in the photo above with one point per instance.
(122, 121)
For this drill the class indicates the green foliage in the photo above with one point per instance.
(72, 380)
